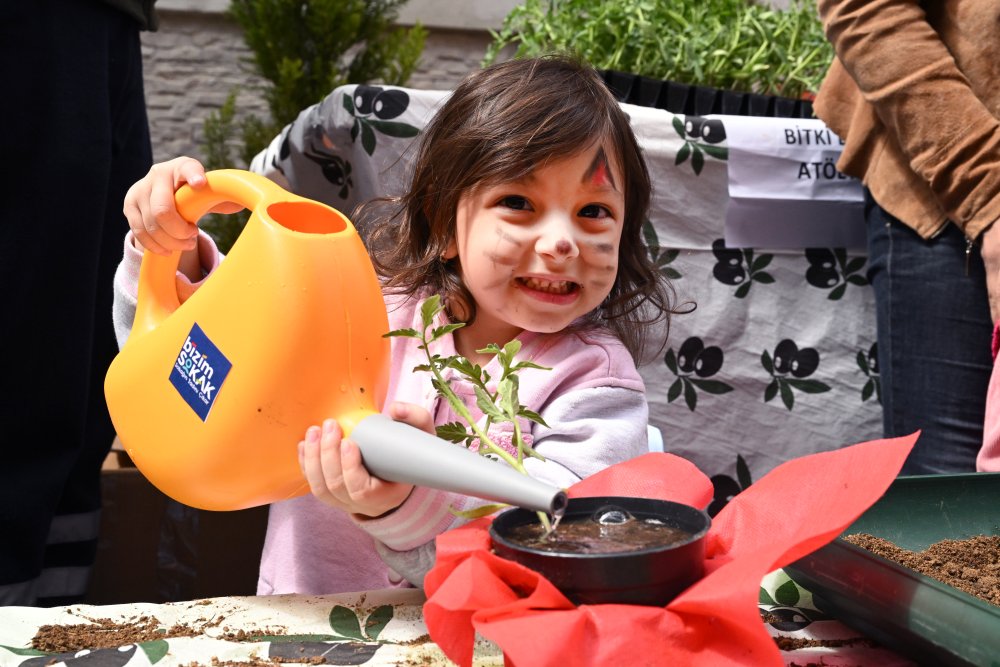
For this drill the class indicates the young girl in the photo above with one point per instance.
(525, 211)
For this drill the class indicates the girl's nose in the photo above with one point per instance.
(555, 238)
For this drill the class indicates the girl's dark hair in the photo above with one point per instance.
(498, 125)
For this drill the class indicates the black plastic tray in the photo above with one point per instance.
(919, 617)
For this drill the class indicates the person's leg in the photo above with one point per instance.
(74, 119)
(69, 556)
(934, 335)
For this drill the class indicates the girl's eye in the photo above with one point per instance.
(515, 202)
(595, 211)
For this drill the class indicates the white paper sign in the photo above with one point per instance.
(784, 187)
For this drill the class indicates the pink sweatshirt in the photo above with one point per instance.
(593, 401)
(989, 454)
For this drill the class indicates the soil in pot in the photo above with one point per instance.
(610, 549)
(971, 565)
(608, 531)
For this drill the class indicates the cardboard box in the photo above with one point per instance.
(154, 549)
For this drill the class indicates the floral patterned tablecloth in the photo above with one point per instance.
(374, 628)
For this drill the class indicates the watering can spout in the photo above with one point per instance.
(400, 453)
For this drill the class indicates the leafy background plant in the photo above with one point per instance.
(303, 50)
(730, 44)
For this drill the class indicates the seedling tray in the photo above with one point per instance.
(919, 617)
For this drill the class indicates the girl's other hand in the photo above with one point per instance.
(152, 212)
(337, 476)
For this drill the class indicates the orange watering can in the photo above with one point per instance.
(210, 397)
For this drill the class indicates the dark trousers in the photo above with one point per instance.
(934, 334)
(74, 138)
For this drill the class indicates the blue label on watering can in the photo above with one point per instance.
(199, 371)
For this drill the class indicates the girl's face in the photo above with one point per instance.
(539, 252)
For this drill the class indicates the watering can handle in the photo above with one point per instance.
(157, 287)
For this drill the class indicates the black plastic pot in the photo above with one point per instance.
(694, 100)
(651, 576)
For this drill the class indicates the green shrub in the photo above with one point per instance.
(303, 49)
(728, 44)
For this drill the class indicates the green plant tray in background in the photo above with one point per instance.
(917, 616)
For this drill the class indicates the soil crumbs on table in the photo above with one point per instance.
(105, 633)
(261, 662)
(100, 633)
(971, 565)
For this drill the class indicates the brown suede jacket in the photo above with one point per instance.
(915, 94)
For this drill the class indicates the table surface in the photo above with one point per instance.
(383, 627)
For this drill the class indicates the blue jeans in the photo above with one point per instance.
(934, 333)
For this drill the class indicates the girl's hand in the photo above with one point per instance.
(152, 212)
(332, 465)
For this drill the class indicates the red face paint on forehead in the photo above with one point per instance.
(599, 172)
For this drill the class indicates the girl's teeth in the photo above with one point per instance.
(554, 287)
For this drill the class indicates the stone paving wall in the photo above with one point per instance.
(196, 59)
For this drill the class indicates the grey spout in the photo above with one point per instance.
(398, 452)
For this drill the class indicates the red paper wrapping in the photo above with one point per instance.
(793, 510)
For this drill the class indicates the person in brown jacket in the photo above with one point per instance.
(915, 93)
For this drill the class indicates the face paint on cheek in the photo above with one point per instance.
(604, 248)
(505, 250)
(601, 285)
(498, 279)
(497, 258)
(504, 236)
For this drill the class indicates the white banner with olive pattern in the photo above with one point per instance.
(778, 359)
